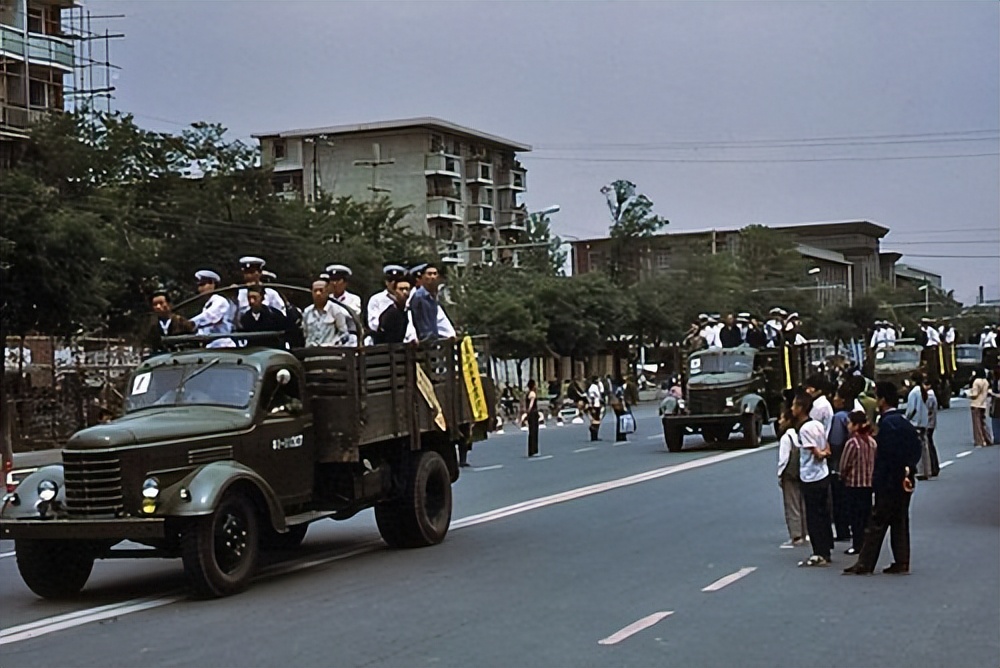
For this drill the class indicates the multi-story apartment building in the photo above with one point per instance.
(464, 186)
(35, 57)
(845, 256)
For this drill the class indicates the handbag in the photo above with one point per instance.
(626, 423)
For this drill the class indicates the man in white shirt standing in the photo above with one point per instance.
(774, 327)
(880, 337)
(988, 337)
(822, 409)
(380, 301)
(710, 333)
(815, 476)
(323, 322)
(338, 277)
(595, 395)
(217, 313)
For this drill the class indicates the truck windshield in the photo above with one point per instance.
(895, 356)
(188, 384)
(721, 364)
(969, 354)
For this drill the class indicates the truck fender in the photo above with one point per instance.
(751, 402)
(207, 485)
(26, 494)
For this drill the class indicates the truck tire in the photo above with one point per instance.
(421, 515)
(944, 396)
(220, 551)
(291, 539)
(753, 429)
(674, 436)
(54, 568)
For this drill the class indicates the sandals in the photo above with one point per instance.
(815, 560)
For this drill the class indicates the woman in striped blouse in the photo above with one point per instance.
(856, 466)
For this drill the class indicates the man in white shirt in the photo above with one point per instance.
(774, 326)
(595, 397)
(988, 337)
(880, 335)
(710, 333)
(931, 332)
(815, 476)
(253, 271)
(338, 276)
(323, 322)
(822, 409)
(217, 313)
(380, 301)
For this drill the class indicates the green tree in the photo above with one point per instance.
(632, 219)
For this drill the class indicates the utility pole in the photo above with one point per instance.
(374, 165)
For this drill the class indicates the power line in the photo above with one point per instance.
(942, 243)
(989, 257)
(742, 145)
(773, 160)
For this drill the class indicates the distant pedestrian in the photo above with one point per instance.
(932, 410)
(995, 404)
(837, 438)
(595, 397)
(788, 481)
(978, 395)
(856, 466)
(916, 413)
(620, 406)
(815, 476)
(893, 483)
(531, 409)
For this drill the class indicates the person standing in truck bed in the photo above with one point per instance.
(324, 323)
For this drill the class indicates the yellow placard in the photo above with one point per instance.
(426, 389)
(473, 383)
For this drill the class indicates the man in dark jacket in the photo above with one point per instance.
(261, 317)
(730, 334)
(893, 482)
(165, 322)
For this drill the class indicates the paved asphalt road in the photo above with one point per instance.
(617, 555)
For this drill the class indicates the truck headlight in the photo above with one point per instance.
(730, 402)
(47, 490)
(150, 488)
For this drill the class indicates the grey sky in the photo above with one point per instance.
(568, 77)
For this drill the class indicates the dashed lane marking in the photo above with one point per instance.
(730, 579)
(947, 463)
(493, 467)
(964, 454)
(635, 627)
(585, 449)
(538, 458)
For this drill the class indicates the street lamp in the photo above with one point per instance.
(925, 288)
(546, 211)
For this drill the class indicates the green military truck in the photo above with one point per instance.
(896, 364)
(223, 452)
(733, 390)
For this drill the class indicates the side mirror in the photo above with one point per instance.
(284, 376)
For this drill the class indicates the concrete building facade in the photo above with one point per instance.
(35, 57)
(464, 186)
(847, 254)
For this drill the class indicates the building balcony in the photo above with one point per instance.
(442, 164)
(481, 214)
(454, 253)
(515, 180)
(21, 118)
(479, 172)
(38, 49)
(513, 221)
(443, 207)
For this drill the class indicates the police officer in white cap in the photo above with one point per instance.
(252, 268)
(710, 332)
(380, 301)
(217, 314)
(339, 275)
(933, 337)
(774, 326)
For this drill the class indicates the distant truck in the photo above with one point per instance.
(733, 390)
(223, 452)
(897, 363)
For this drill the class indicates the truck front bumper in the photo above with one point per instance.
(693, 424)
(83, 529)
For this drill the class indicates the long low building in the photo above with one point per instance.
(846, 256)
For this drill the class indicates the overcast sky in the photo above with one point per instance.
(704, 106)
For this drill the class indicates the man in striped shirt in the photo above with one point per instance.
(857, 462)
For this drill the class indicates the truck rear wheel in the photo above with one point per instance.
(220, 551)
(421, 515)
(54, 568)
(674, 436)
(753, 429)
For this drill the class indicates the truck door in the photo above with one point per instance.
(285, 444)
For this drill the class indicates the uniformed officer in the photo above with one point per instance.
(339, 275)
(947, 331)
(774, 326)
(216, 316)
(891, 332)
(252, 268)
(880, 337)
(382, 300)
(743, 325)
(793, 329)
(710, 332)
(933, 337)
(988, 337)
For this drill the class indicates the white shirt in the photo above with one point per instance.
(988, 340)
(271, 298)
(947, 335)
(325, 328)
(879, 338)
(353, 302)
(711, 336)
(216, 318)
(785, 446)
(377, 304)
(890, 335)
(933, 338)
(810, 439)
(594, 394)
(445, 329)
(822, 412)
(772, 328)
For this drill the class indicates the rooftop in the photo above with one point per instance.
(829, 227)
(428, 122)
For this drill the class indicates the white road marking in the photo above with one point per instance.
(943, 465)
(538, 458)
(730, 579)
(80, 617)
(7, 554)
(964, 454)
(585, 449)
(659, 436)
(618, 444)
(487, 468)
(635, 627)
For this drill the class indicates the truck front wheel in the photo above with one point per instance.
(674, 436)
(54, 568)
(421, 515)
(220, 551)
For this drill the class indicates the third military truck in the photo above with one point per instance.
(731, 390)
(223, 452)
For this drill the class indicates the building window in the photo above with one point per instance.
(451, 165)
(36, 19)
(488, 196)
(279, 150)
(595, 259)
(486, 172)
(663, 260)
(437, 143)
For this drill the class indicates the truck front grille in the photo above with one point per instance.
(93, 484)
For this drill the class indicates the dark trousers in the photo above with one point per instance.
(817, 498)
(892, 513)
(841, 510)
(595, 424)
(619, 434)
(935, 463)
(858, 502)
(532, 433)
